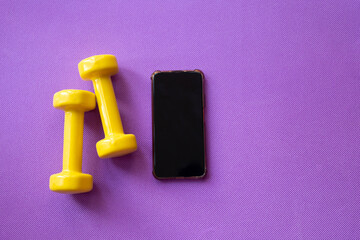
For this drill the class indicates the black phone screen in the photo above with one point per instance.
(178, 124)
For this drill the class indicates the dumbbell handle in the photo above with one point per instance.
(73, 140)
(107, 105)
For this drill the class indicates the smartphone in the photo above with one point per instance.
(178, 124)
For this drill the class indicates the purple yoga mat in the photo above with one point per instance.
(282, 119)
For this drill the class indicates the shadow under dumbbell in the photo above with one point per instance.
(92, 122)
(93, 132)
(126, 163)
(92, 200)
(125, 85)
(120, 82)
(132, 163)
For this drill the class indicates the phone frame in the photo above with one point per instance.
(152, 123)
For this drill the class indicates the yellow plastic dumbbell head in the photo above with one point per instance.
(116, 145)
(71, 182)
(71, 99)
(98, 65)
(71, 179)
(99, 68)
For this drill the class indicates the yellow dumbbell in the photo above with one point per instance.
(71, 179)
(99, 69)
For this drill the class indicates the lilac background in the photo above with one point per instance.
(282, 114)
